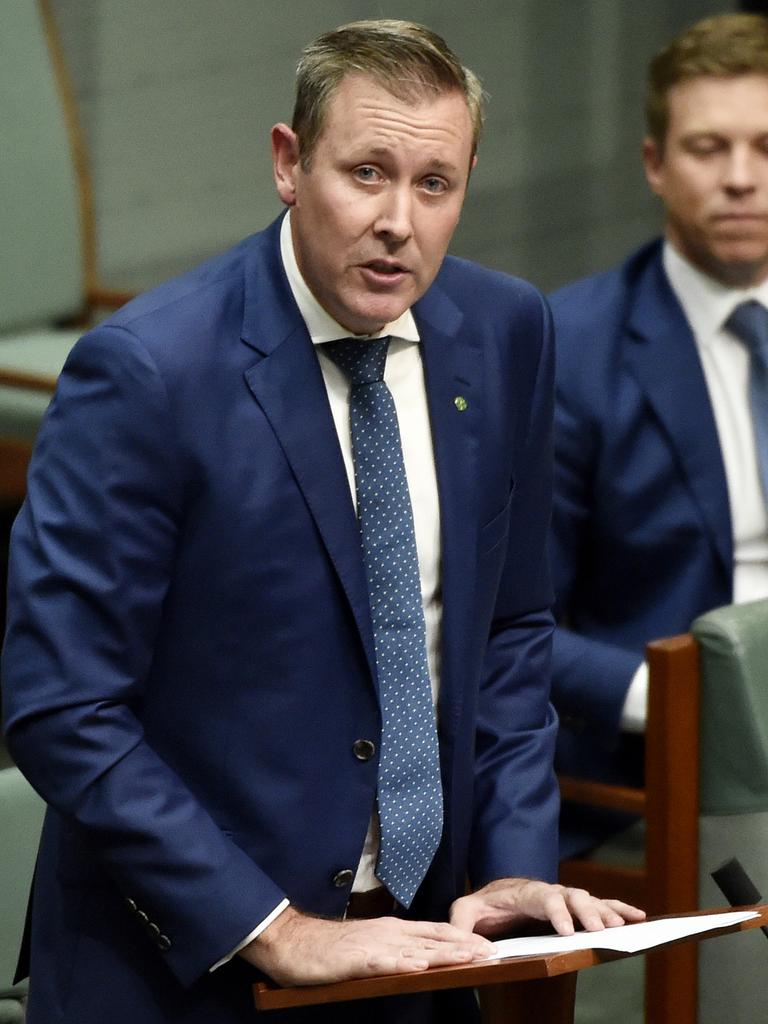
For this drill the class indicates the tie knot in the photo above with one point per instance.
(749, 321)
(362, 361)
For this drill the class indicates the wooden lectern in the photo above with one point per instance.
(508, 988)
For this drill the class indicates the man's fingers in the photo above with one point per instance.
(396, 962)
(556, 909)
(440, 955)
(452, 945)
(595, 914)
(305, 950)
(297, 949)
(443, 931)
(508, 902)
(463, 915)
(459, 931)
(418, 958)
(626, 911)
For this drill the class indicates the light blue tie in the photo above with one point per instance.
(749, 321)
(409, 792)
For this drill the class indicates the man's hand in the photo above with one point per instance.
(296, 949)
(501, 905)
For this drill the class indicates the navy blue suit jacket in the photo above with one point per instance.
(189, 657)
(641, 539)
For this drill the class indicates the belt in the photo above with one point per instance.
(373, 903)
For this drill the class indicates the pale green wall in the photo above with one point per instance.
(177, 98)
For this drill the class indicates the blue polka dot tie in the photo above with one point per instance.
(749, 321)
(409, 792)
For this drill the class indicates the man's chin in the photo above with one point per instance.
(370, 317)
(738, 265)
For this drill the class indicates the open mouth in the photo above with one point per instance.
(741, 218)
(385, 267)
(384, 273)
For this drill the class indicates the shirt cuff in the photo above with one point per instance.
(251, 935)
(635, 710)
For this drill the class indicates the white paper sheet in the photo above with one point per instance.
(629, 938)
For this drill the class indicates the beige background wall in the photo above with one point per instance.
(177, 98)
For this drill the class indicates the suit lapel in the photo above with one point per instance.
(663, 356)
(288, 385)
(287, 377)
(453, 368)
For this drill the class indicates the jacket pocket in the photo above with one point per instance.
(495, 531)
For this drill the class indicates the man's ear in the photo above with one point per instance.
(285, 162)
(653, 162)
(472, 165)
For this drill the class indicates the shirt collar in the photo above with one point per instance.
(706, 302)
(320, 324)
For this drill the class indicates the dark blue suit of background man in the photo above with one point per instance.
(659, 512)
(189, 665)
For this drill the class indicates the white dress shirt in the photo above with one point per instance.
(404, 376)
(707, 305)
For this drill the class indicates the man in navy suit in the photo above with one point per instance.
(189, 670)
(659, 513)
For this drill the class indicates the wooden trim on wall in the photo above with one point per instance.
(76, 143)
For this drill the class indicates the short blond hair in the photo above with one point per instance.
(405, 58)
(722, 46)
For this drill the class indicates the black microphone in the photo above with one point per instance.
(737, 887)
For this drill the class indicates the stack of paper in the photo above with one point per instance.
(629, 938)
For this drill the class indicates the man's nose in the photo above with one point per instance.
(740, 173)
(394, 217)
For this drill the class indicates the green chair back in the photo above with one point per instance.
(41, 276)
(21, 819)
(733, 970)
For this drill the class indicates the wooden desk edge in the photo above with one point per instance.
(495, 972)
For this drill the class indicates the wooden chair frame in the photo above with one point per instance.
(15, 452)
(669, 879)
(94, 293)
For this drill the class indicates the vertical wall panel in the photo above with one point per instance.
(177, 99)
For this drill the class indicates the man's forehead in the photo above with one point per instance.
(719, 96)
(363, 112)
(406, 92)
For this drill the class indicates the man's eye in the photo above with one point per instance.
(704, 147)
(366, 173)
(434, 185)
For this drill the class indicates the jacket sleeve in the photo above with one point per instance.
(590, 677)
(91, 559)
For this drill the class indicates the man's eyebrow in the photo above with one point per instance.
(703, 133)
(442, 165)
(383, 151)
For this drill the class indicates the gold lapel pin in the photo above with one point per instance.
(460, 402)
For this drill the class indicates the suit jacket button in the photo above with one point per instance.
(363, 749)
(154, 930)
(343, 878)
(143, 916)
(163, 942)
(131, 903)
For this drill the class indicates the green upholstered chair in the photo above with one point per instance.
(733, 975)
(47, 256)
(21, 818)
(720, 671)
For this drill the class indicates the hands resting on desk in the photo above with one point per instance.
(500, 906)
(297, 949)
